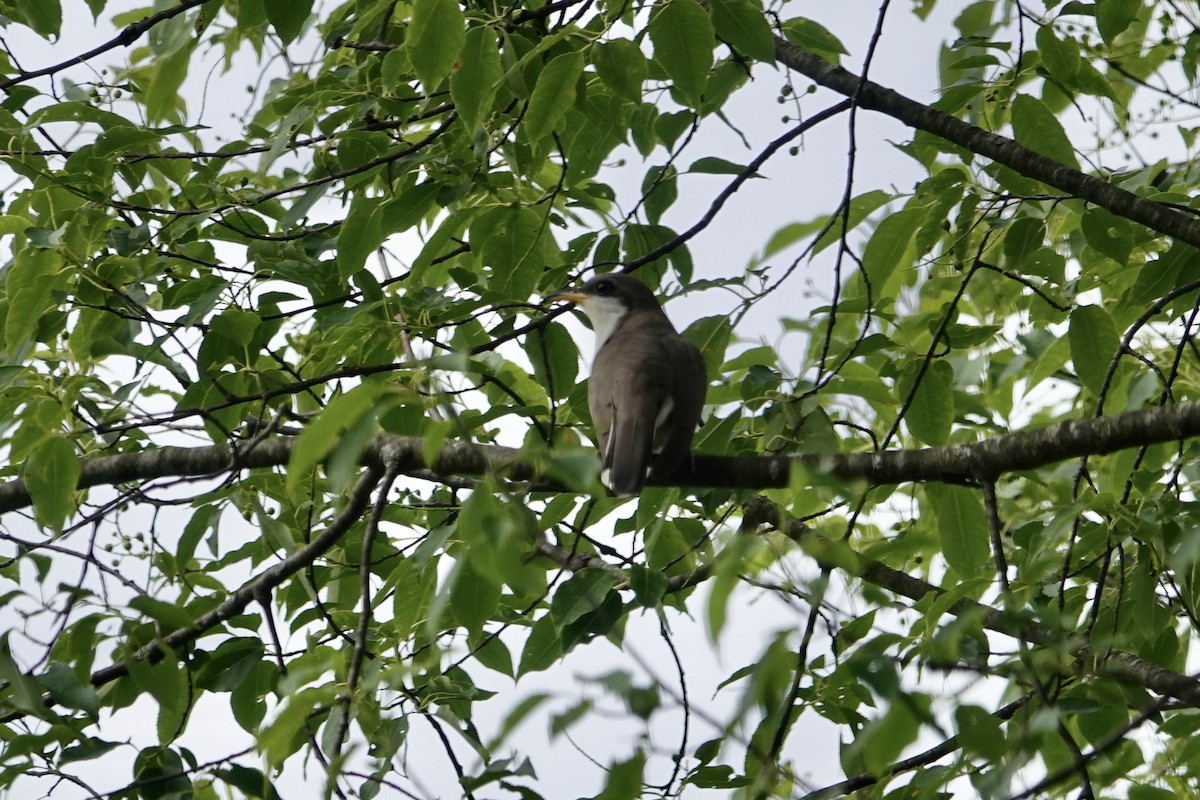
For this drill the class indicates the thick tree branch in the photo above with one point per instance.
(1115, 664)
(260, 587)
(1024, 450)
(130, 34)
(1000, 149)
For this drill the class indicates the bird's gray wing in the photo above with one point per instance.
(687, 394)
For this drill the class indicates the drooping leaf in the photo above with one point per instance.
(476, 75)
(1094, 343)
(682, 33)
(436, 36)
(553, 95)
(1036, 127)
(622, 66)
(743, 25)
(51, 474)
(962, 527)
(287, 17)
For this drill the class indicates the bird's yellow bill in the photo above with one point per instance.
(567, 295)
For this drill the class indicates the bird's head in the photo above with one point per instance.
(606, 299)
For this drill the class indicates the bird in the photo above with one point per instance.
(647, 384)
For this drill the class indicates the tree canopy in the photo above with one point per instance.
(299, 487)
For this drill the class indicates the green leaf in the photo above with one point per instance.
(250, 782)
(815, 37)
(555, 359)
(166, 79)
(22, 691)
(624, 780)
(1024, 236)
(553, 95)
(359, 235)
(161, 774)
(476, 76)
(889, 244)
(962, 527)
(28, 285)
(1036, 128)
(659, 191)
(436, 36)
(622, 66)
(542, 648)
(323, 433)
(230, 664)
(287, 17)
(581, 594)
(682, 34)
(1114, 16)
(711, 335)
(713, 165)
(1109, 234)
(980, 733)
(649, 585)
(68, 691)
(171, 616)
(743, 25)
(44, 16)
(511, 242)
(1061, 59)
(931, 411)
(1094, 341)
(474, 597)
(51, 474)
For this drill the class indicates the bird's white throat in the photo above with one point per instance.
(606, 314)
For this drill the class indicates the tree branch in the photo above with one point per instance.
(261, 586)
(1000, 149)
(976, 461)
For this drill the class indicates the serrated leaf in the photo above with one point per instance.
(961, 526)
(621, 64)
(553, 95)
(21, 691)
(1114, 16)
(287, 17)
(930, 413)
(474, 597)
(889, 244)
(816, 37)
(44, 16)
(436, 36)
(1060, 58)
(1107, 233)
(323, 433)
(555, 359)
(68, 691)
(28, 285)
(542, 648)
(476, 77)
(980, 732)
(581, 594)
(512, 244)
(743, 25)
(624, 779)
(51, 474)
(1036, 128)
(682, 34)
(1094, 341)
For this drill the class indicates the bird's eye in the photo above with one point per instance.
(604, 288)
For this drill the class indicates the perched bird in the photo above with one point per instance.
(647, 384)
